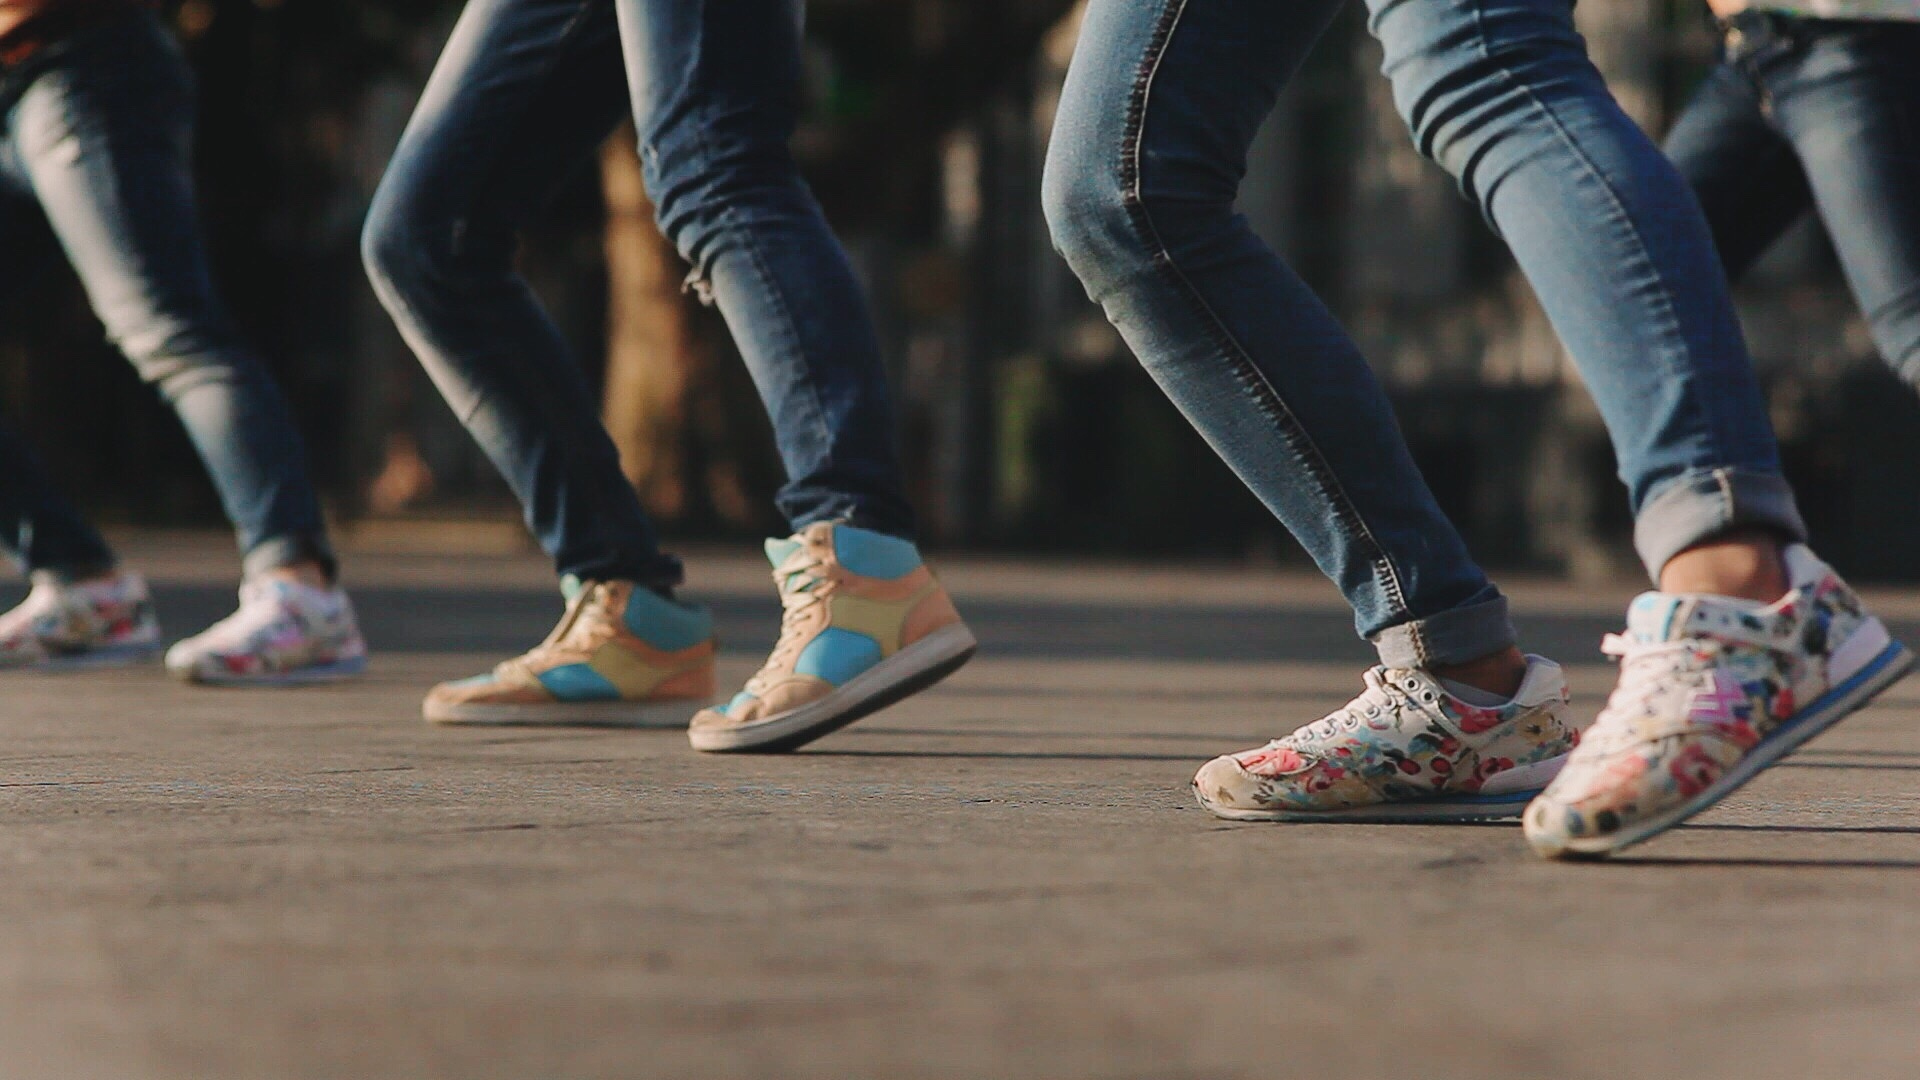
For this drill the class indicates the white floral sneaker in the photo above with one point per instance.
(1404, 750)
(283, 634)
(1712, 690)
(95, 624)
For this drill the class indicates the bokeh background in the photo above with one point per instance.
(1025, 423)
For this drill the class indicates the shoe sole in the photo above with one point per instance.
(307, 676)
(1479, 806)
(899, 676)
(610, 714)
(93, 659)
(1888, 666)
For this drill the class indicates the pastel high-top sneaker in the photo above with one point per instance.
(1404, 750)
(1712, 691)
(95, 624)
(622, 656)
(866, 624)
(283, 634)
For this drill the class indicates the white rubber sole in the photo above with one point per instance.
(306, 676)
(1482, 805)
(1888, 666)
(616, 714)
(905, 673)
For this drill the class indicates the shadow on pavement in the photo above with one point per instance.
(1767, 864)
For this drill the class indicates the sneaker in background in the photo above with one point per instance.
(75, 625)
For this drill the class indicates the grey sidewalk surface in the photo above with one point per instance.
(1004, 878)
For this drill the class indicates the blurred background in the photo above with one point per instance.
(1025, 423)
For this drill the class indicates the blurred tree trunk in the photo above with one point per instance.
(668, 402)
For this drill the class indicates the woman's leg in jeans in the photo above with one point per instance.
(523, 93)
(1161, 103)
(716, 95)
(1748, 179)
(39, 525)
(1501, 93)
(1851, 104)
(102, 138)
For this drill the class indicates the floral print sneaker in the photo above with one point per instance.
(866, 624)
(95, 624)
(1404, 750)
(1712, 690)
(622, 656)
(284, 634)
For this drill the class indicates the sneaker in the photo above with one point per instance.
(284, 634)
(1712, 690)
(622, 656)
(1404, 750)
(95, 624)
(866, 624)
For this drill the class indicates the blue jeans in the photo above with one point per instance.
(1161, 103)
(96, 145)
(524, 93)
(1846, 97)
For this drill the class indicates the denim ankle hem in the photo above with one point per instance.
(1702, 505)
(1451, 637)
(287, 551)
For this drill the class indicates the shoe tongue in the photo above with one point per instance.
(1656, 617)
(779, 551)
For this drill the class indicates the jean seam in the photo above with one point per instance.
(789, 329)
(1670, 322)
(1264, 394)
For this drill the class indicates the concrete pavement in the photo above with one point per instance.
(1004, 878)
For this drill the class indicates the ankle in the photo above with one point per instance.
(1496, 673)
(1749, 565)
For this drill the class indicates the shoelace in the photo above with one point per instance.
(260, 610)
(802, 585)
(1381, 694)
(1647, 667)
(560, 638)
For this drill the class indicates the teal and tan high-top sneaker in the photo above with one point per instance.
(866, 624)
(622, 656)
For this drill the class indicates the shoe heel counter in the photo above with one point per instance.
(931, 612)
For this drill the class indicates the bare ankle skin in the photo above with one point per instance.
(308, 573)
(1498, 673)
(1747, 564)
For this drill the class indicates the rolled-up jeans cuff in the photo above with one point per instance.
(1451, 637)
(1701, 505)
(279, 551)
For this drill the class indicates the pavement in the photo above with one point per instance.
(1003, 878)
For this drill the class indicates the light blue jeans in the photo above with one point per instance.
(1161, 103)
(98, 130)
(1817, 115)
(524, 94)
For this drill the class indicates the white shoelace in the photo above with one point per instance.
(260, 611)
(1381, 695)
(802, 585)
(1646, 669)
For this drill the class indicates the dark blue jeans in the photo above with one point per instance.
(97, 138)
(1844, 98)
(525, 91)
(1161, 104)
